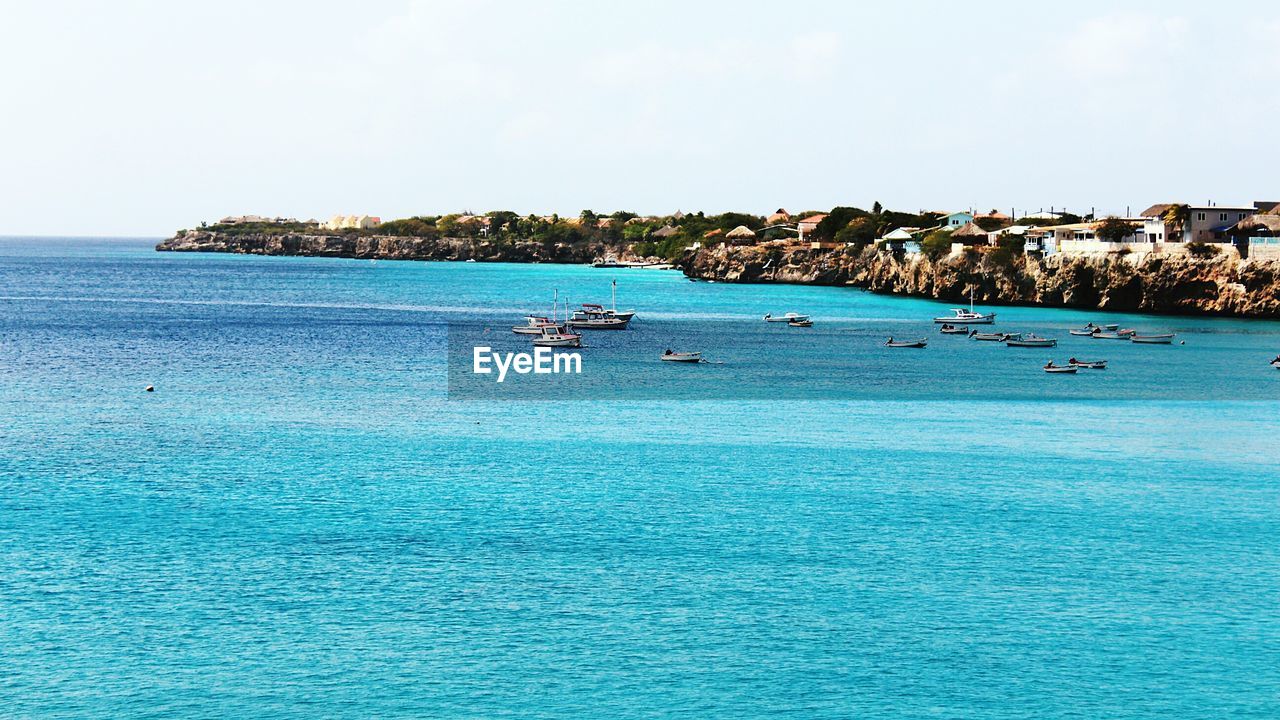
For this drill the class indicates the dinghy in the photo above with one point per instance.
(1109, 336)
(906, 343)
(1088, 364)
(1152, 339)
(949, 329)
(801, 323)
(993, 337)
(682, 357)
(1030, 340)
(1063, 369)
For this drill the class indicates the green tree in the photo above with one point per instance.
(1176, 217)
(936, 244)
(1112, 229)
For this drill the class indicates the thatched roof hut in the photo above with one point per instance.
(1264, 225)
(742, 232)
(665, 231)
(970, 234)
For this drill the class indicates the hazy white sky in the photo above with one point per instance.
(143, 117)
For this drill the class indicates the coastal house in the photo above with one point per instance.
(809, 224)
(1040, 240)
(1081, 240)
(1258, 236)
(993, 237)
(955, 220)
(906, 239)
(969, 234)
(1206, 223)
(359, 222)
(779, 216)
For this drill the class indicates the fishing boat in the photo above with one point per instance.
(1152, 339)
(1109, 336)
(1085, 331)
(1088, 364)
(993, 337)
(595, 321)
(949, 329)
(682, 357)
(922, 342)
(787, 318)
(801, 323)
(967, 317)
(535, 325)
(554, 337)
(1030, 340)
(1060, 369)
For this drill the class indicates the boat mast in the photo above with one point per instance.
(555, 300)
(614, 292)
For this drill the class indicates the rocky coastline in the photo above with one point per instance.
(385, 247)
(1165, 284)
(1168, 284)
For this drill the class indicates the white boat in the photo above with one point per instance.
(596, 321)
(1110, 336)
(596, 309)
(682, 357)
(1152, 339)
(1060, 369)
(1088, 364)
(1276, 363)
(1086, 331)
(553, 337)
(1030, 340)
(801, 323)
(787, 318)
(922, 342)
(993, 337)
(967, 317)
(535, 325)
(948, 329)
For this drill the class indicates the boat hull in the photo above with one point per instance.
(1069, 370)
(1031, 343)
(559, 342)
(984, 320)
(683, 357)
(1151, 340)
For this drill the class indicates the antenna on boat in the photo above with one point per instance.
(554, 302)
(614, 292)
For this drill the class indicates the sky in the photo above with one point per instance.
(140, 118)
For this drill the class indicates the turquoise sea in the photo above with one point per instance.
(311, 517)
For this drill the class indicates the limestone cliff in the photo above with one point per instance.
(384, 247)
(1157, 284)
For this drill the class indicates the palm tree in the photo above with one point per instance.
(1177, 216)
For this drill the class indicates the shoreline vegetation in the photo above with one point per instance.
(840, 249)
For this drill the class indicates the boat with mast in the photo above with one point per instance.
(535, 323)
(596, 317)
(967, 317)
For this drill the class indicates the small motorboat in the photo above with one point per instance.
(787, 318)
(553, 337)
(682, 357)
(967, 317)
(949, 329)
(598, 309)
(801, 323)
(906, 343)
(1060, 369)
(961, 316)
(1088, 364)
(1111, 327)
(1088, 329)
(1126, 331)
(1276, 363)
(1109, 336)
(535, 325)
(1030, 340)
(993, 337)
(1152, 339)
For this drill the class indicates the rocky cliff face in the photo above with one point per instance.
(388, 247)
(1158, 284)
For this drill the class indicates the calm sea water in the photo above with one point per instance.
(308, 519)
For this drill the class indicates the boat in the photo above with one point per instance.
(1063, 369)
(1088, 364)
(535, 325)
(1152, 339)
(1088, 329)
(1111, 327)
(949, 329)
(907, 343)
(1127, 332)
(1030, 340)
(682, 357)
(553, 337)
(993, 337)
(1109, 336)
(967, 317)
(597, 317)
(801, 323)
(787, 318)
(1276, 363)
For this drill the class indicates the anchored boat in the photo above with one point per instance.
(1088, 364)
(949, 329)
(787, 318)
(967, 317)
(682, 357)
(1152, 339)
(1030, 340)
(993, 337)
(1060, 369)
(554, 337)
(907, 343)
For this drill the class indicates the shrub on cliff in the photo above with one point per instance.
(936, 244)
(1202, 251)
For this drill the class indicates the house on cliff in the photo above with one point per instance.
(1205, 223)
(1258, 236)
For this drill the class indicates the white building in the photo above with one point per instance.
(359, 222)
(1207, 223)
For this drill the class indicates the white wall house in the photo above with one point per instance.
(1208, 223)
(1079, 239)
